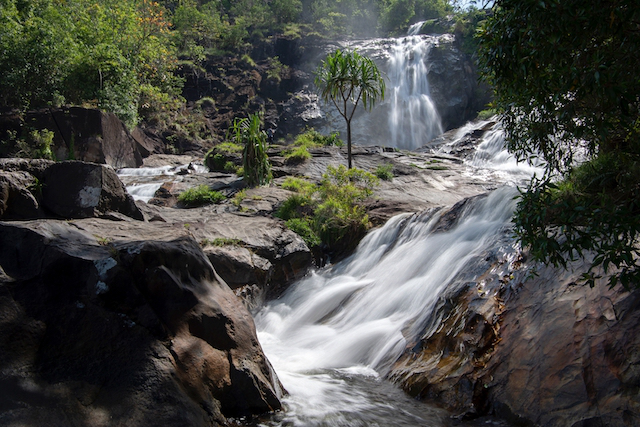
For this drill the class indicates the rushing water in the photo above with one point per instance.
(413, 119)
(334, 335)
(407, 118)
(142, 183)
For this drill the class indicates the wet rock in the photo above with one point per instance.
(534, 349)
(102, 332)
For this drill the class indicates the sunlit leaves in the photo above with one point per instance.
(567, 83)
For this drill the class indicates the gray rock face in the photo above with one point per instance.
(101, 332)
(82, 134)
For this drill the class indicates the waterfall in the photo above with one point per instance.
(413, 119)
(333, 336)
(355, 318)
(407, 118)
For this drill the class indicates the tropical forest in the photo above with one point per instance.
(319, 213)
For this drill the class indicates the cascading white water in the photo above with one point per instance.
(413, 118)
(136, 178)
(407, 118)
(334, 335)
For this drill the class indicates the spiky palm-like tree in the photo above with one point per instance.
(348, 78)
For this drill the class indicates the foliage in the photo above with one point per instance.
(239, 197)
(255, 162)
(223, 157)
(276, 69)
(330, 212)
(81, 51)
(37, 145)
(346, 78)
(304, 228)
(384, 172)
(299, 151)
(312, 138)
(199, 196)
(298, 185)
(566, 81)
(297, 154)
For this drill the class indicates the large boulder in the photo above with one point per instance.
(528, 343)
(79, 133)
(37, 188)
(95, 332)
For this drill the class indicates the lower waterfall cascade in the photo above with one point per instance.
(333, 336)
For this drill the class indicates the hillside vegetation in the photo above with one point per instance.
(122, 55)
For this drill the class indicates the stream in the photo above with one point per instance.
(333, 336)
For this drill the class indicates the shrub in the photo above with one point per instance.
(309, 139)
(297, 154)
(256, 164)
(385, 172)
(224, 157)
(36, 146)
(303, 228)
(298, 185)
(199, 196)
(239, 197)
(329, 212)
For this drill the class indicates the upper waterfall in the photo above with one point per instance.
(412, 111)
(413, 118)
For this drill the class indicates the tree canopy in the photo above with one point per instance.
(566, 75)
(347, 78)
(77, 51)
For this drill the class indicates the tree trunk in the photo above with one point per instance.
(349, 143)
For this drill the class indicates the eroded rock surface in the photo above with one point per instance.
(97, 330)
(38, 188)
(539, 350)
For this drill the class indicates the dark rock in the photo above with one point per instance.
(80, 133)
(16, 199)
(455, 87)
(83, 190)
(38, 188)
(102, 333)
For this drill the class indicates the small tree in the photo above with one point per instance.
(346, 78)
(246, 132)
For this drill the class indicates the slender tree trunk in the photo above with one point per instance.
(349, 143)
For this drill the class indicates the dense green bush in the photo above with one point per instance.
(566, 84)
(384, 172)
(330, 212)
(85, 52)
(199, 196)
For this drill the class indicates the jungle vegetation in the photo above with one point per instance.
(121, 55)
(567, 84)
